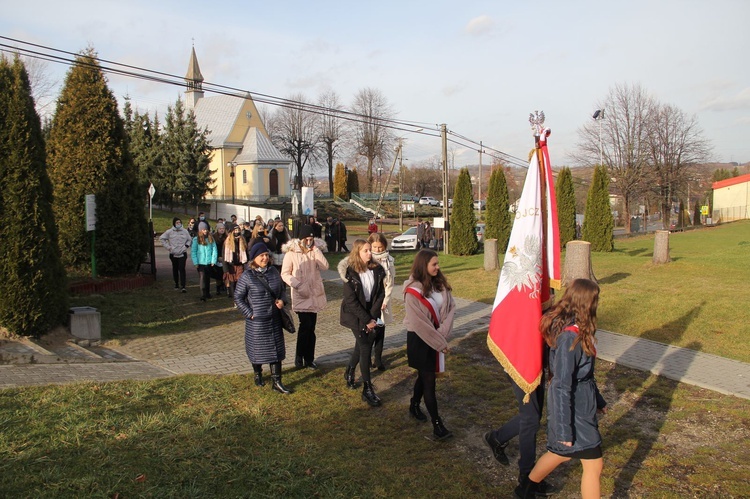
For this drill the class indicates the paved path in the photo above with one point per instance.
(220, 350)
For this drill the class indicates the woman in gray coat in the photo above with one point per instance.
(260, 294)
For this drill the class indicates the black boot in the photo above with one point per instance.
(369, 396)
(526, 488)
(276, 375)
(416, 411)
(440, 431)
(349, 377)
(258, 368)
(298, 362)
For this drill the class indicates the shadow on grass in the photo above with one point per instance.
(654, 398)
(637, 251)
(613, 278)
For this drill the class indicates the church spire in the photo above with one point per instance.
(194, 80)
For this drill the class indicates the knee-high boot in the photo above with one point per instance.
(276, 375)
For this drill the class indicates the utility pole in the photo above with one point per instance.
(400, 188)
(481, 150)
(446, 223)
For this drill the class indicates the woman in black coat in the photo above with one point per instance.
(260, 295)
(364, 293)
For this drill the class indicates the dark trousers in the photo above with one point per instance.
(342, 245)
(362, 352)
(204, 274)
(178, 270)
(425, 387)
(306, 336)
(377, 346)
(525, 425)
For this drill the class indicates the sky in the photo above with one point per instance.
(480, 67)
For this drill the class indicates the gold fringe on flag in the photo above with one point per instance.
(512, 372)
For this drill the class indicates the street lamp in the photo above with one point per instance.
(380, 180)
(599, 116)
(231, 165)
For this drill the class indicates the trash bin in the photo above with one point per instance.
(85, 323)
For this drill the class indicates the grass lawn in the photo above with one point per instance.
(220, 436)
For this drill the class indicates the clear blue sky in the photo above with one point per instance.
(479, 66)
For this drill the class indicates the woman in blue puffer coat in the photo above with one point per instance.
(573, 399)
(260, 295)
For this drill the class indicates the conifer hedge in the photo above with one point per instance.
(499, 221)
(88, 154)
(463, 237)
(566, 206)
(33, 286)
(598, 223)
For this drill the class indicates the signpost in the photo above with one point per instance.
(151, 192)
(91, 227)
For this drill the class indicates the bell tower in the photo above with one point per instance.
(194, 81)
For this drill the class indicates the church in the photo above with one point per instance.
(246, 166)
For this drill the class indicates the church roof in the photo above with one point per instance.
(219, 114)
(194, 71)
(258, 149)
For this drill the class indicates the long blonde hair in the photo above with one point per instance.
(356, 262)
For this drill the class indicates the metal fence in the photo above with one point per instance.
(730, 214)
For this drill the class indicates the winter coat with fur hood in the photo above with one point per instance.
(387, 262)
(301, 271)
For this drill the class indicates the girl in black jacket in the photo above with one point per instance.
(364, 293)
(573, 400)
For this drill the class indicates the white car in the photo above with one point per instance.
(450, 203)
(479, 229)
(406, 241)
(479, 204)
(428, 200)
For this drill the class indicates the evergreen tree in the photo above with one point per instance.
(499, 221)
(88, 154)
(566, 206)
(598, 223)
(463, 237)
(33, 286)
(697, 213)
(340, 182)
(352, 182)
(186, 156)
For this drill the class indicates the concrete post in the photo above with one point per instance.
(577, 262)
(661, 247)
(490, 254)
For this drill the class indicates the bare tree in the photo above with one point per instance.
(676, 143)
(623, 143)
(42, 87)
(294, 132)
(331, 130)
(374, 140)
(424, 178)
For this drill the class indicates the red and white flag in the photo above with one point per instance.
(532, 263)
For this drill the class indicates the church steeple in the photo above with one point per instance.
(194, 80)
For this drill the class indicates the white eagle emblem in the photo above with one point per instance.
(524, 269)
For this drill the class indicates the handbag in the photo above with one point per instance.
(287, 322)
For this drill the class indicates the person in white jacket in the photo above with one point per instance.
(177, 241)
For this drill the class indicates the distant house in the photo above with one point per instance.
(246, 165)
(731, 199)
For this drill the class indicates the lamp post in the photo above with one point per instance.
(231, 165)
(599, 116)
(380, 180)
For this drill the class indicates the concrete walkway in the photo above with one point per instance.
(221, 350)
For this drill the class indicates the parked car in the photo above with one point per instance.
(450, 203)
(479, 229)
(478, 203)
(428, 200)
(406, 241)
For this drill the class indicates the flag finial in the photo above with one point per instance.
(536, 120)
